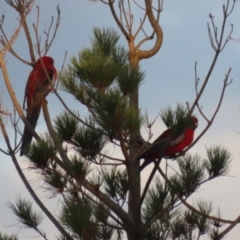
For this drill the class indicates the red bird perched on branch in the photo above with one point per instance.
(40, 82)
(177, 143)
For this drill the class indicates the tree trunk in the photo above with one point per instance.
(133, 165)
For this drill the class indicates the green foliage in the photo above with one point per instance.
(175, 117)
(66, 125)
(160, 222)
(218, 161)
(55, 181)
(178, 229)
(101, 213)
(190, 176)
(116, 183)
(88, 142)
(95, 68)
(157, 198)
(113, 113)
(129, 79)
(83, 219)
(106, 39)
(64, 238)
(159, 230)
(77, 217)
(79, 167)
(40, 152)
(8, 237)
(25, 213)
(214, 234)
(101, 78)
(191, 172)
(199, 222)
(100, 66)
(203, 223)
(191, 219)
(164, 223)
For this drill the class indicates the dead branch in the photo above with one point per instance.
(7, 43)
(226, 82)
(156, 29)
(24, 7)
(150, 37)
(117, 20)
(218, 44)
(42, 51)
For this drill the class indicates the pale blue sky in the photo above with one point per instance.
(169, 79)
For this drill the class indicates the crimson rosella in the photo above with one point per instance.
(171, 144)
(40, 82)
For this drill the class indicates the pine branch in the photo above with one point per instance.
(28, 186)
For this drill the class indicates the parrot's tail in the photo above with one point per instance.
(152, 153)
(32, 117)
(145, 163)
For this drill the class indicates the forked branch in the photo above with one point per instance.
(42, 51)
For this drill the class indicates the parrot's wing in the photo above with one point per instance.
(38, 87)
(176, 140)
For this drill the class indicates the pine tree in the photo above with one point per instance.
(102, 195)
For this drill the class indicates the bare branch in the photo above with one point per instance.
(111, 158)
(48, 42)
(229, 228)
(197, 80)
(159, 10)
(119, 23)
(24, 8)
(226, 82)
(7, 44)
(217, 44)
(157, 29)
(123, 10)
(38, 38)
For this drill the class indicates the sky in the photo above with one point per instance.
(169, 80)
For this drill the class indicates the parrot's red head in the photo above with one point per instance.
(45, 61)
(193, 122)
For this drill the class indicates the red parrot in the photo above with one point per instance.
(40, 82)
(175, 146)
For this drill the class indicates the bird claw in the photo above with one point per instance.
(182, 154)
